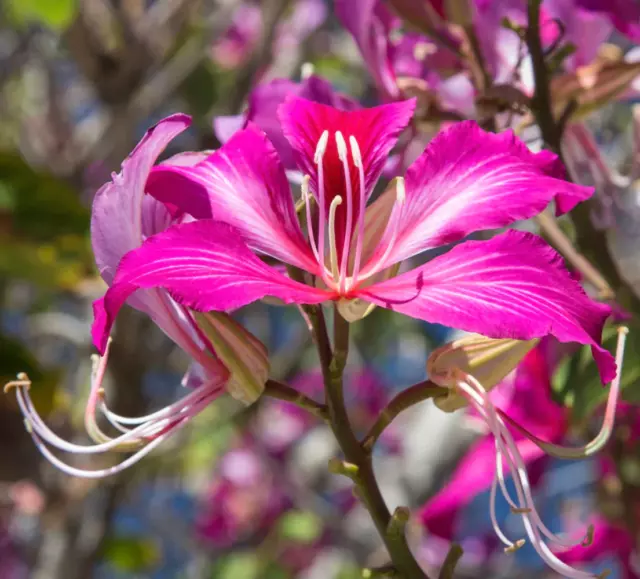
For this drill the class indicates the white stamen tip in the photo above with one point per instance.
(401, 192)
(342, 146)
(306, 70)
(355, 152)
(321, 147)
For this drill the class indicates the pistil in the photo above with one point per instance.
(333, 252)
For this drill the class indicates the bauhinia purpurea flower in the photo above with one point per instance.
(472, 366)
(193, 243)
(225, 356)
(511, 286)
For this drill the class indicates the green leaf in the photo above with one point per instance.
(56, 14)
(300, 526)
(577, 384)
(131, 554)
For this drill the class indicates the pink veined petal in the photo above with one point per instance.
(263, 104)
(123, 217)
(512, 286)
(204, 265)
(376, 131)
(242, 184)
(116, 219)
(469, 180)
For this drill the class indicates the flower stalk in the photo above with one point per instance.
(360, 466)
(401, 402)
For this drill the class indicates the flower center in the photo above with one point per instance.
(349, 256)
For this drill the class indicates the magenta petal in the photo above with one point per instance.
(473, 476)
(376, 131)
(263, 104)
(117, 215)
(512, 286)
(204, 265)
(469, 180)
(242, 184)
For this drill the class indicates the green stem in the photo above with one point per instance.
(542, 97)
(361, 467)
(405, 399)
(275, 389)
(450, 562)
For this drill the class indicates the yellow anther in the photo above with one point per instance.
(520, 510)
(21, 382)
(517, 545)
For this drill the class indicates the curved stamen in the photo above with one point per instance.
(304, 190)
(319, 154)
(478, 399)
(601, 439)
(342, 155)
(148, 432)
(506, 447)
(510, 546)
(333, 252)
(391, 232)
(101, 473)
(357, 161)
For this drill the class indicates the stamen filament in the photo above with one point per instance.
(342, 155)
(601, 439)
(304, 189)
(333, 253)
(320, 150)
(147, 432)
(357, 161)
(506, 446)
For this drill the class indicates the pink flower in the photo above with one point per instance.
(392, 55)
(466, 180)
(123, 219)
(483, 466)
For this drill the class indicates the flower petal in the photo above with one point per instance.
(512, 286)
(204, 265)
(376, 131)
(242, 184)
(469, 180)
(117, 214)
(263, 104)
(473, 476)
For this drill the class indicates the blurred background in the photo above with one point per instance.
(242, 493)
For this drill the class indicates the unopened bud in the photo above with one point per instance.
(240, 351)
(488, 360)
